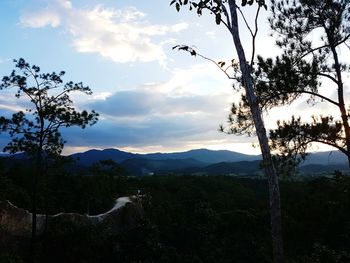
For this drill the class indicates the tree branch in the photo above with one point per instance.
(324, 46)
(224, 9)
(216, 64)
(300, 92)
(331, 144)
(329, 77)
(227, 24)
(245, 21)
(56, 97)
(254, 36)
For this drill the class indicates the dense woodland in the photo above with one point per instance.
(187, 218)
(197, 218)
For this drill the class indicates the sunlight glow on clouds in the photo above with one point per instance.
(180, 113)
(174, 103)
(121, 35)
(142, 102)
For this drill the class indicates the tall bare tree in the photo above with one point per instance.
(226, 12)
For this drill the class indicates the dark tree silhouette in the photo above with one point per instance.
(226, 13)
(36, 131)
(302, 68)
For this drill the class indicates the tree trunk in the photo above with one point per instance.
(34, 205)
(36, 177)
(342, 107)
(270, 172)
(34, 194)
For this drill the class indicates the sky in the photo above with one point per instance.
(150, 97)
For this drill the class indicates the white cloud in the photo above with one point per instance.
(11, 108)
(41, 19)
(147, 104)
(203, 78)
(122, 35)
(182, 113)
(100, 95)
(179, 27)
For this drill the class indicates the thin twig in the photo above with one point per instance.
(245, 20)
(254, 35)
(213, 61)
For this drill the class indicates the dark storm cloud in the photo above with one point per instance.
(146, 102)
(148, 117)
(157, 130)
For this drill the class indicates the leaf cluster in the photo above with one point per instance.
(282, 80)
(292, 21)
(195, 219)
(300, 72)
(215, 7)
(292, 138)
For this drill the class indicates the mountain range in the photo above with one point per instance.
(201, 155)
(198, 161)
(204, 161)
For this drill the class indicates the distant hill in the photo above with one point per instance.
(205, 155)
(199, 161)
(326, 158)
(201, 155)
(90, 157)
(147, 167)
(204, 161)
(233, 168)
(319, 168)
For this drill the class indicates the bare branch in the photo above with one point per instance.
(254, 35)
(195, 53)
(245, 21)
(216, 64)
(347, 45)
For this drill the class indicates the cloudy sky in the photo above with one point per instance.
(150, 97)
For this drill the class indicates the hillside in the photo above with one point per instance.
(205, 155)
(148, 167)
(201, 155)
(198, 161)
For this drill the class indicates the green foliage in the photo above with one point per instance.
(293, 137)
(10, 258)
(108, 168)
(197, 219)
(317, 211)
(300, 70)
(323, 254)
(14, 182)
(217, 8)
(37, 132)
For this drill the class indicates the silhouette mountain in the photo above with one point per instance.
(326, 158)
(201, 155)
(198, 161)
(205, 155)
(93, 156)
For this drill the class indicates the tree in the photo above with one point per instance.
(226, 13)
(303, 68)
(36, 132)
